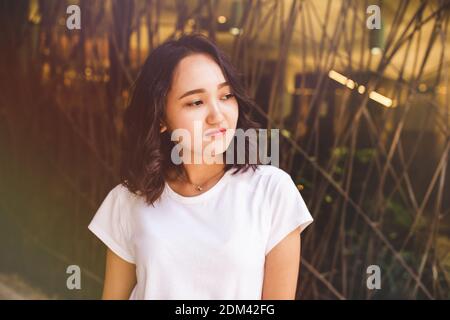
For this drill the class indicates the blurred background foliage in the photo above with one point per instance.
(364, 119)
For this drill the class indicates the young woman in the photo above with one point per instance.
(196, 230)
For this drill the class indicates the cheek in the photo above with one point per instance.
(189, 124)
(181, 119)
(232, 114)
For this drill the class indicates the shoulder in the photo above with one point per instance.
(272, 175)
(123, 196)
(267, 177)
(271, 171)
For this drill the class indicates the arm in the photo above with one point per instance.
(120, 278)
(282, 268)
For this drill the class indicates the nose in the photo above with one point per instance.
(214, 113)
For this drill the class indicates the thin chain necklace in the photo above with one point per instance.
(199, 187)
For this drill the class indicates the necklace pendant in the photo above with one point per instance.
(199, 188)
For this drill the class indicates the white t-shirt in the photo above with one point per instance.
(210, 246)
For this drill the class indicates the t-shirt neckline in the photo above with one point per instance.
(201, 197)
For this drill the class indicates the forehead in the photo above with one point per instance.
(197, 71)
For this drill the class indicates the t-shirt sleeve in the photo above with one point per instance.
(112, 225)
(288, 211)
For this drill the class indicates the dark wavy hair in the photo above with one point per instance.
(145, 158)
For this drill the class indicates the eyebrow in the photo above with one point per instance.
(201, 90)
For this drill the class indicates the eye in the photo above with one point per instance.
(228, 96)
(194, 103)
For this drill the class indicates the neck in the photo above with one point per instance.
(199, 173)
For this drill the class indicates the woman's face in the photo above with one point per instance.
(202, 103)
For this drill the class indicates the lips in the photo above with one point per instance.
(215, 132)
